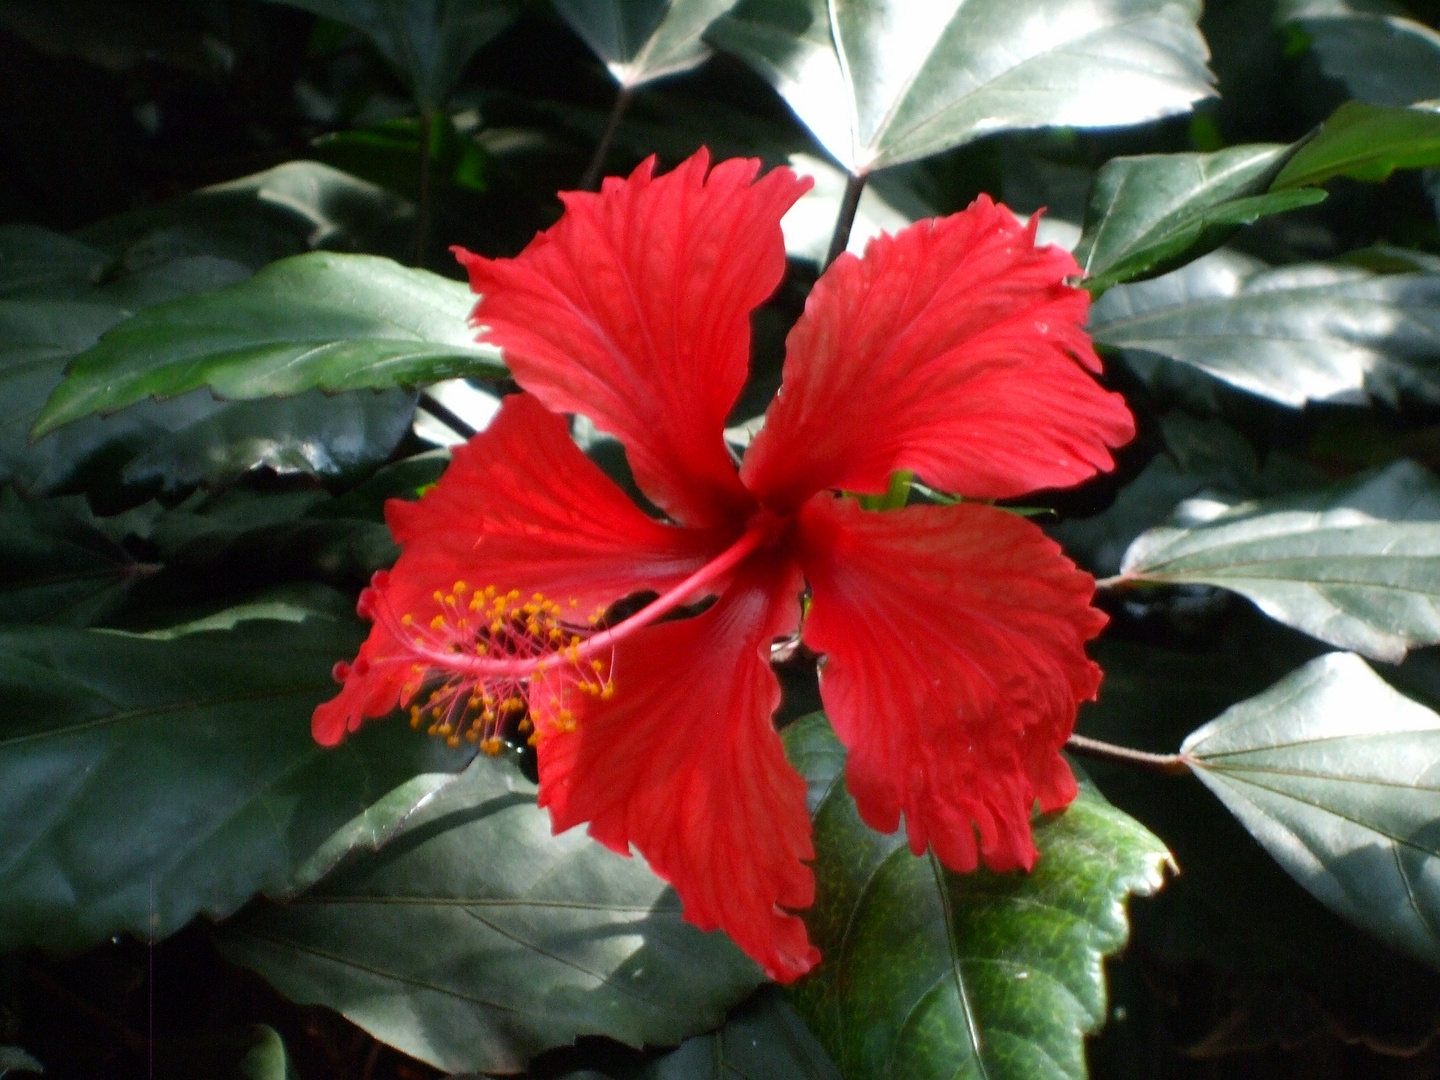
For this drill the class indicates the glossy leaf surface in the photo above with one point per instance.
(326, 321)
(644, 40)
(1147, 211)
(1293, 334)
(932, 974)
(474, 939)
(1365, 142)
(881, 82)
(1356, 566)
(144, 780)
(428, 41)
(1381, 59)
(1334, 772)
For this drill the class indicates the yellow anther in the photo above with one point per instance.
(574, 603)
(439, 597)
(596, 665)
(437, 622)
(609, 691)
(460, 588)
(406, 620)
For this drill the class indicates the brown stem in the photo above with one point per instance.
(849, 204)
(597, 163)
(431, 404)
(1164, 764)
(422, 211)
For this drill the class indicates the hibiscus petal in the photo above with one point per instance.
(634, 309)
(953, 349)
(684, 764)
(520, 507)
(954, 641)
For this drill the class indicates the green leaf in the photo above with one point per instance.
(644, 40)
(389, 153)
(57, 565)
(260, 218)
(1357, 566)
(1292, 334)
(312, 433)
(119, 35)
(336, 322)
(1146, 212)
(1382, 59)
(475, 939)
(1201, 454)
(763, 1038)
(254, 1053)
(15, 1060)
(932, 974)
(428, 42)
(36, 262)
(145, 780)
(1333, 772)
(1365, 142)
(880, 82)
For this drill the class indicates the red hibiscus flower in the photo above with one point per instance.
(952, 636)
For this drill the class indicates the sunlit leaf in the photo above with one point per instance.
(879, 82)
(145, 780)
(323, 435)
(429, 42)
(926, 973)
(1333, 771)
(1357, 566)
(1306, 332)
(1146, 212)
(1365, 142)
(326, 321)
(475, 939)
(644, 40)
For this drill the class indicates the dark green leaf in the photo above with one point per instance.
(336, 322)
(1365, 142)
(932, 974)
(644, 40)
(1356, 566)
(1333, 772)
(36, 262)
(1306, 332)
(118, 34)
(389, 153)
(57, 565)
(257, 219)
(762, 1039)
(475, 939)
(15, 1060)
(429, 42)
(1382, 59)
(146, 779)
(1146, 212)
(880, 82)
(312, 433)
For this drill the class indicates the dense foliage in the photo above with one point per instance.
(230, 330)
